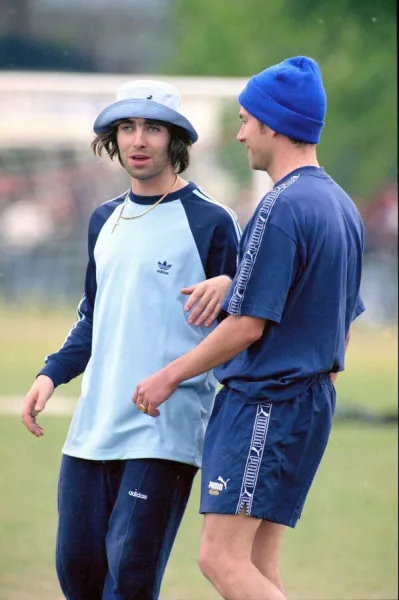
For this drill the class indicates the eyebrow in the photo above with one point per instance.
(146, 121)
(154, 122)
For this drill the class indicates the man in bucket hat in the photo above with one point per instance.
(291, 304)
(125, 479)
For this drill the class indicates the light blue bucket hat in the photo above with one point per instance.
(145, 99)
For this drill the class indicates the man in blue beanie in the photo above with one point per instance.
(290, 308)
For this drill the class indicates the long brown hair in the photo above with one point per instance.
(178, 149)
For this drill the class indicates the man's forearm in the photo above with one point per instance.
(232, 336)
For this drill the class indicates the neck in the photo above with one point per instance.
(158, 185)
(291, 159)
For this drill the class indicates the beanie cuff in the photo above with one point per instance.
(278, 117)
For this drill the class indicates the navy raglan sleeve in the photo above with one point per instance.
(222, 257)
(72, 358)
(216, 233)
(268, 267)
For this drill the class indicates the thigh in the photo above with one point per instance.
(298, 438)
(261, 458)
(298, 434)
(233, 448)
(84, 509)
(228, 536)
(151, 501)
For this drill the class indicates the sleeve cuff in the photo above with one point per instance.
(251, 310)
(58, 372)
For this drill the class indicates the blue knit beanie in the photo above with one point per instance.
(289, 98)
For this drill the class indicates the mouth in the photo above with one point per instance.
(139, 159)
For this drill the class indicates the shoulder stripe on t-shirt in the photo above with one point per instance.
(252, 249)
(201, 194)
(121, 197)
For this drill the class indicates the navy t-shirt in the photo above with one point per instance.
(300, 265)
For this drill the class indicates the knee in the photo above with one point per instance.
(132, 574)
(207, 560)
(205, 563)
(79, 576)
(72, 563)
(214, 563)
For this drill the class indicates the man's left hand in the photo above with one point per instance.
(206, 297)
(152, 392)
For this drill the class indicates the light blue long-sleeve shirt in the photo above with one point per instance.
(132, 323)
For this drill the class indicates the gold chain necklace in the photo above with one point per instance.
(120, 216)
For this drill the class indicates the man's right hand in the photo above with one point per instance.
(34, 403)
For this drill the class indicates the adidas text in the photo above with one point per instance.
(137, 494)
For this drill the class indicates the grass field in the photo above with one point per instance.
(344, 547)
(28, 336)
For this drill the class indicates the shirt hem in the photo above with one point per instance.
(128, 455)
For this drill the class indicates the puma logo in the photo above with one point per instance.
(223, 482)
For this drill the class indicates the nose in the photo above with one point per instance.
(139, 138)
(240, 135)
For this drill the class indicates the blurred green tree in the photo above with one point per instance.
(354, 42)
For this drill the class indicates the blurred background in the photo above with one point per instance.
(60, 64)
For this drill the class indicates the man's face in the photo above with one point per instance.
(143, 147)
(257, 139)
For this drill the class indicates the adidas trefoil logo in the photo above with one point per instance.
(163, 268)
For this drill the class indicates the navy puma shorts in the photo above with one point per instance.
(262, 458)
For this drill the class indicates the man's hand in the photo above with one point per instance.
(34, 403)
(207, 296)
(232, 336)
(152, 392)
